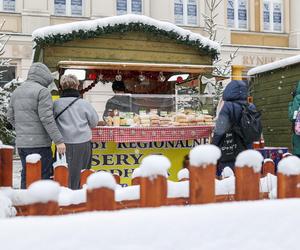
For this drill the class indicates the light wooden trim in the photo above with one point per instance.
(182, 68)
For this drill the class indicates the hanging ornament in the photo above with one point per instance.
(92, 76)
(179, 79)
(161, 77)
(142, 77)
(118, 77)
(100, 77)
(210, 85)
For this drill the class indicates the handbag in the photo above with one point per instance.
(61, 112)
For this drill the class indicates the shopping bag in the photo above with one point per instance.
(60, 160)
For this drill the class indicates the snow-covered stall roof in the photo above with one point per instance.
(89, 29)
(274, 65)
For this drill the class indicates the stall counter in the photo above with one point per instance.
(120, 150)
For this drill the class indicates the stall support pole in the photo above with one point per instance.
(237, 72)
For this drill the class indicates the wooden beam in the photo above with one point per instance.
(179, 68)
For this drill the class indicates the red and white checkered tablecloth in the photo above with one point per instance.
(142, 134)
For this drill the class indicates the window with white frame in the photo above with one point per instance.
(129, 6)
(237, 14)
(185, 12)
(68, 7)
(272, 15)
(8, 5)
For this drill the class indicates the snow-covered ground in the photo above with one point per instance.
(268, 225)
(17, 166)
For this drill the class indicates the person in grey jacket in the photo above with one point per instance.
(75, 124)
(30, 112)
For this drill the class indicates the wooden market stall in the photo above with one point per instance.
(137, 48)
(272, 86)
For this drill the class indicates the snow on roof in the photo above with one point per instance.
(250, 158)
(154, 165)
(101, 180)
(33, 158)
(203, 155)
(44, 191)
(70, 30)
(289, 165)
(274, 65)
(183, 174)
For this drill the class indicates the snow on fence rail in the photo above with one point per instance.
(151, 188)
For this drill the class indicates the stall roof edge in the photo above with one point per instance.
(274, 65)
(179, 68)
(61, 33)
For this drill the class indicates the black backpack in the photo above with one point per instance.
(250, 124)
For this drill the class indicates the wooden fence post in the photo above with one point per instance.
(101, 192)
(288, 178)
(203, 160)
(117, 178)
(85, 173)
(44, 195)
(61, 175)
(268, 167)
(33, 169)
(153, 191)
(6, 165)
(247, 175)
(153, 182)
(135, 177)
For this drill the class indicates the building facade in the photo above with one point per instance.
(262, 30)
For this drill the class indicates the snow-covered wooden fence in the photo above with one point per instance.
(6, 165)
(150, 187)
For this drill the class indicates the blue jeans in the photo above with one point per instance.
(46, 160)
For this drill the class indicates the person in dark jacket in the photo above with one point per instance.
(234, 96)
(119, 101)
(294, 106)
(30, 112)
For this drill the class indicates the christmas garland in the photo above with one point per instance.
(122, 28)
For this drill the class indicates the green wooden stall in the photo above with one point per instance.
(272, 85)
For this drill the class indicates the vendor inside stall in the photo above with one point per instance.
(119, 101)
